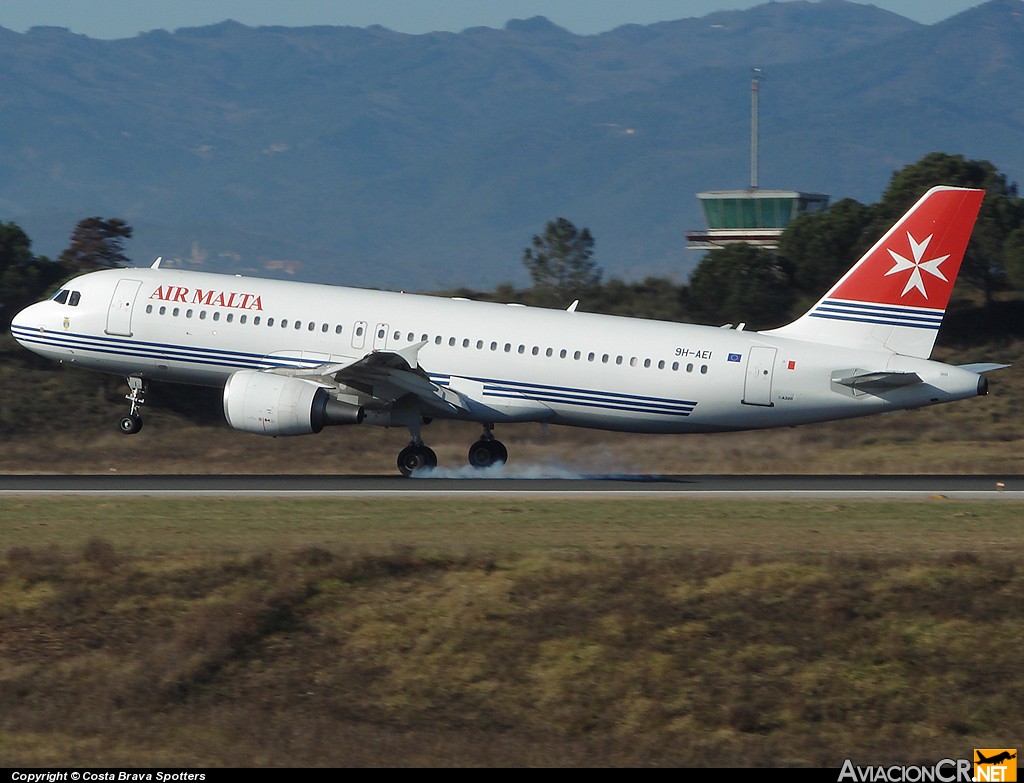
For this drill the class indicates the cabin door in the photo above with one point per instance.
(119, 316)
(757, 386)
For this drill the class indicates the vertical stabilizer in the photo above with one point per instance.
(895, 296)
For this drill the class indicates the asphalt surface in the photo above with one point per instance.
(494, 482)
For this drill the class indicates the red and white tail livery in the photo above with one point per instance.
(896, 295)
(293, 358)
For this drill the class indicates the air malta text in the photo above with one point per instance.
(230, 299)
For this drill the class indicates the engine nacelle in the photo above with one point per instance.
(270, 404)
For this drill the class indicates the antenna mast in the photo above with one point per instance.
(755, 88)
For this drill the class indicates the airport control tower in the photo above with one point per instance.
(755, 216)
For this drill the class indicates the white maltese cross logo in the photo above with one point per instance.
(916, 280)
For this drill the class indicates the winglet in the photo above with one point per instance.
(572, 308)
(156, 264)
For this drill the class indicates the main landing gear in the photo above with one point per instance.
(416, 456)
(484, 453)
(132, 423)
(488, 450)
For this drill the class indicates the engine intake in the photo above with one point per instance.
(269, 404)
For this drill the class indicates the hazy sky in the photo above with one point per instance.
(126, 18)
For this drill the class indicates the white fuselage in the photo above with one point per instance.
(511, 363)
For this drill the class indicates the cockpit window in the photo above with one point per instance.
(76, 297)
(61, 297)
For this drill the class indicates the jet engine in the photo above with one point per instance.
(270, 404)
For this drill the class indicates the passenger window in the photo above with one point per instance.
(298, 325)
(398, 335)
(675, 366)
(451, 341)
(270, 322)
(149, 308)
(312, 326)
(284, 323)
(561, 354)
(255, 320)
(522, 349)
(465, 343)
(337, 329)
(76, 297)
(703, 369)
(661, 364)
(604, 358)
(494, 346)
(188, 313)
(176, 311)
(411, 337)
(163, 310)
(576, 356)
(202, 315)
(479, 344)
(689, 367)
(590, 356)
(618, 360)
(437, 340)
(241, 319)
(216, 316)
(549, 352)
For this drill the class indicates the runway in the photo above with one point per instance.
(993, 487)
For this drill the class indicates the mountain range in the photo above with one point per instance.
(368, 157)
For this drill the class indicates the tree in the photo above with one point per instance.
(561, 263)
(23, 277)
(96, 243)
(819, 247)
(740, 283)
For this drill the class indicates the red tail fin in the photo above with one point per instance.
(915, 264)
(894, 297)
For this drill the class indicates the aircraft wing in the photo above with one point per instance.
(384, 375)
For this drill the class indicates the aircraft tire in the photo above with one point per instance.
(485, 453)
(414, 457)
(129, 425)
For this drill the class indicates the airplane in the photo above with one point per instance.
(294, 358)
(996, 759)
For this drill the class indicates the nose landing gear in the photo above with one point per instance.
(132, 423)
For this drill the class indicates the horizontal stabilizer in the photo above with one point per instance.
(982, 367)
(873, 381)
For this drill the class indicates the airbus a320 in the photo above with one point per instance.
(294, 358)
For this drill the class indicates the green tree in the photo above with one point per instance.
(819, 247)
(23, 277)
(561, 263)
(740, 283)
(96, 243)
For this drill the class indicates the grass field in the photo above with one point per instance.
(507, 632)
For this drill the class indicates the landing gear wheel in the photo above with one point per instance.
(131, 424)
(486, 452)
(416, 456)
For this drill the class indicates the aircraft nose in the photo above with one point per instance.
(26, 321)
